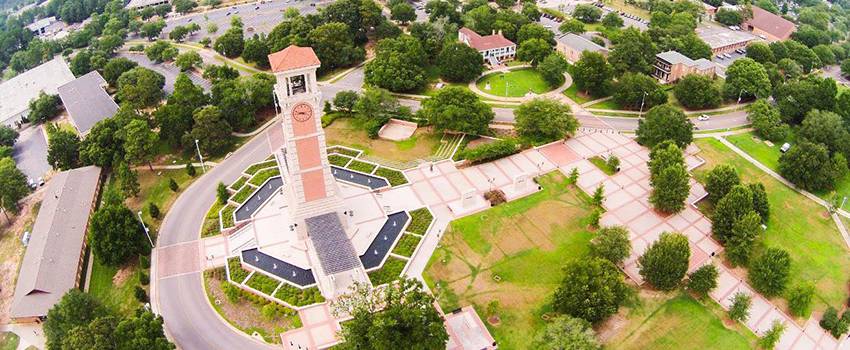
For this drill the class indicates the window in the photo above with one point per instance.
(297, 85)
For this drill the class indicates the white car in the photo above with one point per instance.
(703, 118)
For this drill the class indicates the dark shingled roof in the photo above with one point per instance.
(336, 254)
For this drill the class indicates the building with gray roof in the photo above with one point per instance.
(671, 66)
(53, 260)
(16, 93)
(87, 102)
(572, 46)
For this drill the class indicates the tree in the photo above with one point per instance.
(745, 230)
(774, 334)
(144, 330)
(746, 78)
(565, 332)
(231, 43)
(830, 321)
(665, 263)
(63, 153)
(598, 196)
(184, 6)
(696, 91)
(140, 142)
(662, 123)
(826, 128)
(737, 203)
(75, 309)
(430, 35)
(638, 92)
(344, 101)
(800, 299)
(460, 63)
(115, 235)
(740, 308)
(766, 121)
(216, 73)
(211, 131)
(222, 194)
(592, 289)
(587, 13)
(543, 120)
(533, 51)
(663, 156)
(535, 31)
(140, 87)
(810, 166)
(720, 181)
(334, 46)
(805, 57)
(43, 107)
(825, 54)
(553, 68)
(592, 74)
(761, 53)
(612, 20)
(212, 27)
(633, 51)
(401, 316)
(398, 65)
(13, 185)
(703, 280)
(769, 272)
(151, 30)
(729, 17)
(188, 60)
(98, 334)
(611, 243)
(796, 98)
(458, 109)
(127, 179)
(760, 202)
(403, 13)
(178, 33)
(790, 69)
(437, 9)
(115, 67)
(572, 25)
(670, 189)
(8, 136)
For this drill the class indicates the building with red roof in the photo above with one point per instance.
(769, 26)
(495, 48)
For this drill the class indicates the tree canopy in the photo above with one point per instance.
(458, 109)
(141, 87)
(592, 289)
(565, 332)
(592, 74)
(665, 263)
(459, 63)
(543, 120)
(662, 123)
(398, 65)
(696, 91)
(746, 78)
(115, 235)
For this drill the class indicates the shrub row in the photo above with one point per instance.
(338, 160)
(420, 219)
(264, 175)
(343, 151)
(395, 177)
(237, 273)
(253, 169)
(243, 194)
(263, 283)
(227, 216)
(236, 185)
(362, 167)
(388, 273)
(490, 151)
(406, 245)
(299, 297)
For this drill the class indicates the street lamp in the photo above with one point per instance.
(147, 231)
(739, 95)
(642, 100)
(203, 167)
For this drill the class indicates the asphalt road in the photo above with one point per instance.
(30, 152)
(169, 71)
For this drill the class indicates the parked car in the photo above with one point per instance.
(703, 117)
(785, 147)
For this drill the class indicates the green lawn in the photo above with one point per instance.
(682, 323)
(577, 96)
(155, 190)
(602, 165)
(607, 104)
(9, 341)
(515, 83)
(797, 224)
(507, 261)
(118, 298)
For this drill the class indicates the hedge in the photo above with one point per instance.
(338, 160)
(237, 273)
(395, 177)
(227, 220)
(490, 151)
(243, 194)
(264, 175)
(362, 167)
(343, 151)
(407, 245)
(263, 283)
(299, 297)
(420, 219)
(238, 183)
(388, 273)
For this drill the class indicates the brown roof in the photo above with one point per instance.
(488, 42)
(768, 22)
(293, 57)
(50, 265)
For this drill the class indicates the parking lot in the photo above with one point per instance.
(567, 7)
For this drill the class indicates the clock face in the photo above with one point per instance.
(302, 112)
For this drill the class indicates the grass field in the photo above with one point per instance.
(154, 185)
(796, 224)
(680, 323)
(577, 96)
(117, 297)
(507, 261)
(515, 83)
(348, 132)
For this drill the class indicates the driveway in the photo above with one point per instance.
(30, 152)
(169, 71)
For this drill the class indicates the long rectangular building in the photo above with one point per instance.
(16, 93)
(54, 256)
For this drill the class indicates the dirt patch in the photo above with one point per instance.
(123, 274)
(534, 233)
(478, 142)
(12, 250)
(511, 240)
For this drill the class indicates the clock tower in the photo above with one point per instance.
(315, 206)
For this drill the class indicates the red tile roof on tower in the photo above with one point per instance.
(771, 23)
(293, 57)
(488, 42)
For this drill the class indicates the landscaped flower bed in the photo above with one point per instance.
(406, 245)
(299, 297)
(343, 151)
(362, 167)
(253, 169)
(264, 175)
(338, 160)
(239, 183)
(227, 216)
(237, 273)
(395, 177)
(243, 194)
(420, 219)
(389, 272)
(263, 283)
